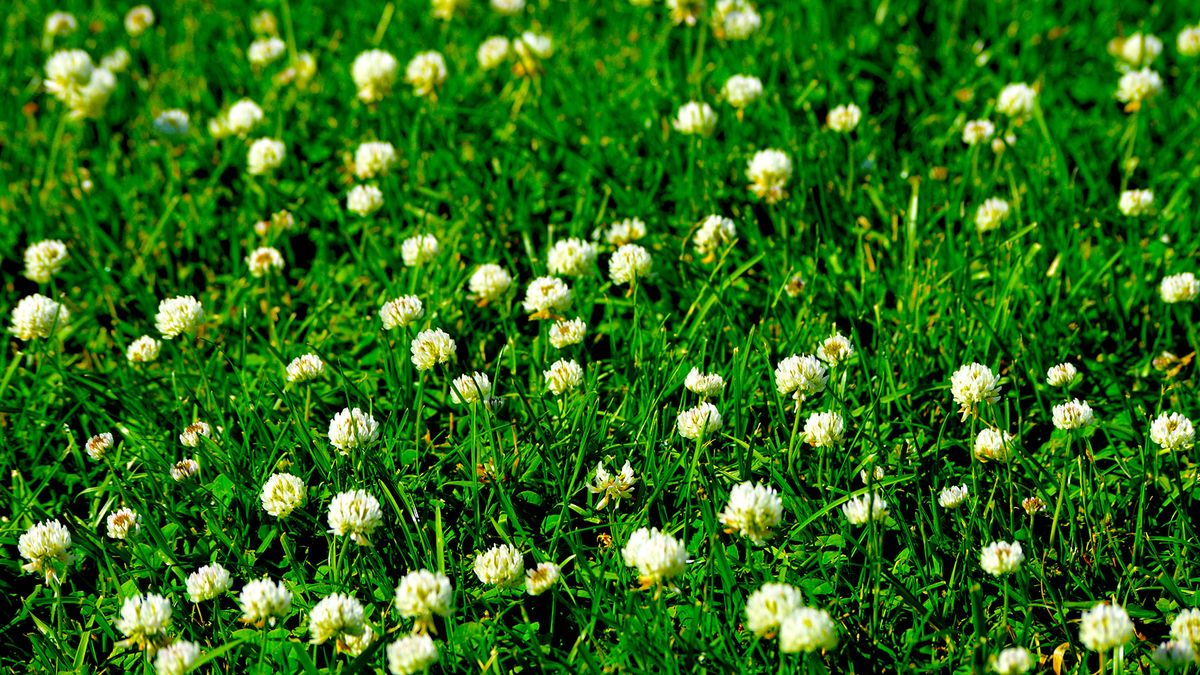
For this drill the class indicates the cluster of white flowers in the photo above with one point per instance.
(282, 494)
(628, 264)
(239, 120)
(144, 619)
(356, 513)
(44, 259)
(736, 19)
(953, 496)
(844, 118)
(179, 315)
(713, 232)
(614, 488)
(1062, 375)
(753, 511)
(1172, 431)
(657, 556)
(1105, 627)
(418, 250)
(263, 261)
(263, 600)
(972, 385)
(571, 258)
(991, 214)
(978, 131)
(769, 172)
(192, 433)
(1136, 202)
(1073, 414)
(335, 616)
(993, 445)
(824, 429)
(426, 72)
(546, 296)
(145, 349)
(1017, 101)
(699, 422)
(863, 508)
(1179, 288)
(567, 332)
(97, 445)
(73, 79)
(208, 583)
(472, 388)
(835, 350)
(564, 375)
(421, 595)
(1001, 557)
(37, 316)
(412, 654)
(489, 283)
(801, 376)
(807, 630)
(46, 547)
(1137, 86)
(123, 522)
(305, 368)
(695, 118)
(742, 90)
(708, 385)
(177, 658)
(374, 73)
(500, 565)
(401, 312)
(352, 429)
(431, 348)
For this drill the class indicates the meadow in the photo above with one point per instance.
(621, 336)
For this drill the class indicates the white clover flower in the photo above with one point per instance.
(500, 566)
(401, 312)
(1186, 627)
(263, 261)
(489, 283)
(564, 375)
(1139, 85)
(613, 488)
(1061, 375)
(714, 232)
(1000, 558)
(681, 11)
(144, 618)
(629, 263)
(208, 583)
(801, 376)
(1172, 431)
(305, 368)
(625, 231)
(547, 296)
(123, 522)
(835, 350)
(695, 118)
(1136, 202)
(978, 131)
(953, 496)
(138, 20)
(657, 556)
(699, 422)
(494, 51)
(531, 49)
(1012, 661)
(173, 122)
(571, 257)
(97, 445)
(179, 315)
(300, 71)
(1179, 288)
(844, 118)
(431, 348)
(742, 90)
(993, 445)
(242, 117)
(265, 155)
(567, 332)
(355, 645)
(1073, 414)
(177, 658)
(143, 350)
(37, 316)
(356, 513)
(767, 607)
(422, 594)
(991, 214)
(61, 23)
(426, 72)
(824, 429)
(508, 7)
(858, 510)
(769, 172)
(539, 579)
(265, 51)
(419, 250)
(115, 61)
(471, 388)
(972, 385)
(1173, 654)
(374, 159)
(67, 73)
(704, 384)
(91, 99)
(374, 72)
(333, 616)
(807, 630)
(184, 469)
(1188, 41)
(753, 511)
(1138, 49)
(263, 600)
(352, 429)
(737, 19)
(1016, 100)
(282, 494)
(46, 546)
(1105, 627)
(44, 259)
(412, 654)
(190, 437)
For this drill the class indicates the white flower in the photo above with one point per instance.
(807, 630)
(374, 72)
(144, 618)
(37, 316)
(978, 131)
(1136, 202)
(493, 52)
(1172, 431)
(355, 513)
(208, 583)
(67, 72)
(265, 155)
(242, 117)
(1173, 654)
(264, 600)
(1188, 41)
(695, 118)
(699, 422)
(282, 494)
(824, 429)
(657, 556)
(738, 19)
(835, 349)
(714, 232)
(89, 101)
(571, 257)
(625, 231)
(564, 375)
(373, 159)
(97, 445)
(351, 429)
(115, 61)
(1105, 627)
(1016, 100)
(177, 658)
(178, 315)
(355, 645)
(844, 118)
(421, 594)
(567, 332)
(138, 19)
(264, 260)
(612, 487)
(1073, 414)
(489, 283)
(419, 250)
(471, 388)
(500, 566)
(335, 615)
(532, 48)
(123, 522)
(682, 11)
(1000, 558)
(411, 654)
(401, 312)
(767, 607)
(1012, 661)
(1179, 288)
(1139, 85)
(45, 545)
(184, 469)
(704, 384)
(1186, 627)
(508, 7)
(753, 511)
(547, 296)
(1061, 375)
(265, 51)
(800, 376)
(629, 263)
(1138, 49)
(858, 510)
(539, 579)
(430, 348)
(991, 214)
(190, 437)
(993, 445)
(44, 259)
(973, 384)
(305, 368)
(143, 350)
(426, 72)
(61, 23)
(953, 496)
(742, 90)
(769, 172)
(173, 122)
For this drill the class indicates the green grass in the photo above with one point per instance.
(879, 225)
